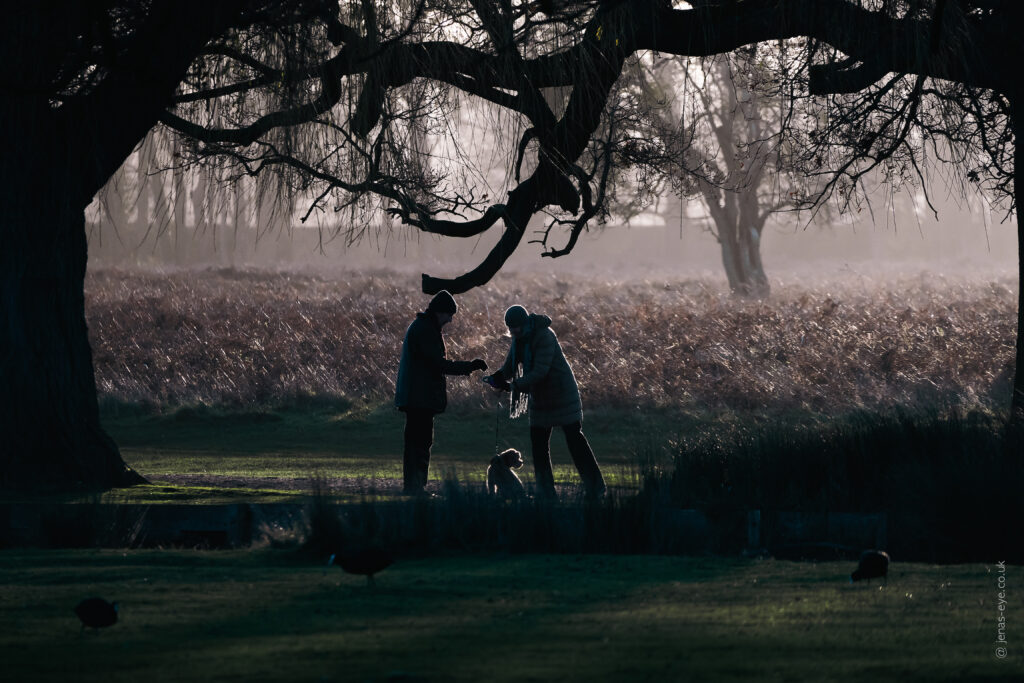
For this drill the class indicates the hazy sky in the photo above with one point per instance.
(961, 242)
(966, 240)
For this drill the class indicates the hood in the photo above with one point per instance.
(539, 321)
(430, 318)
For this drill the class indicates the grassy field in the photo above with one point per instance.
(271, 616)
(341, 442)
(230, 386)
(257, 381)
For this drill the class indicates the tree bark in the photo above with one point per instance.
(738, 231)
(738, 225)
(49, 415)
(58, 152)
(1017, 402)
(741, 256)
(751, 225)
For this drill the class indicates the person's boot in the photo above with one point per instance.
(586, 464)
(423, 470)
(545, 477)
(415, 465)
(408, 472)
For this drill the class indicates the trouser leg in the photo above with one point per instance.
(583, 457)
(419, 437)
(540, 445)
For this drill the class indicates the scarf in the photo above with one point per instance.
(520, 401)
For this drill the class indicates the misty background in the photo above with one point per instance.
(897, 235)
(161, 210)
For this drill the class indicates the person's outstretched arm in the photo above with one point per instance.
(430, 350)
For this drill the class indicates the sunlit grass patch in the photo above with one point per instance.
(367, 444)
(208, 495)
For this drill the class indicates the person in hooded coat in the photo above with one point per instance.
(421, 390)
(542, 382)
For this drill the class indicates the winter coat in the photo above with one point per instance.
(421, 383)
(554, 395)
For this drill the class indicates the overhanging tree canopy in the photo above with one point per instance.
(336, 97)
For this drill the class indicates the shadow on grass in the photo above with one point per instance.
(948, 482)
(266, 615)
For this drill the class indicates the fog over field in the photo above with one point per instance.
(894, 306)
(967, 241)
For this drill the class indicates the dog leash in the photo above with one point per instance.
(497, 421)
(497, 411)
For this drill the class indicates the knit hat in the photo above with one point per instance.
(443, 302)
(516, 316)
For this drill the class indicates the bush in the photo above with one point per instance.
(947, 482)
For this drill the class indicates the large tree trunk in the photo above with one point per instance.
(741, 256)
(58, 152)
(49, 418)
(739, 235)
(1017, 403)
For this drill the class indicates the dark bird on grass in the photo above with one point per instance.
(874, 564)
(365, 561)
(96, 613)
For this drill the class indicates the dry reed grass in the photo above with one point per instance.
(247, 338)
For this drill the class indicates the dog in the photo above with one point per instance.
(501, 480)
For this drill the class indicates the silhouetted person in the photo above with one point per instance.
(542, 382)
(874, 564)
(96, 613)
(420, 390)
(502, 481)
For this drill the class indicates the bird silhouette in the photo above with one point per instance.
(96, 613)
(874, 564)
(365, 560)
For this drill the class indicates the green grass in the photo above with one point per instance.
(157, 493)
(267, 616)
(343, 440)
(206, 495)
(367, 442)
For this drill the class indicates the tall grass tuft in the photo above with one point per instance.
(263, 339)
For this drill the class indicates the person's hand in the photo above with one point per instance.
(478, 364)
(498, 384)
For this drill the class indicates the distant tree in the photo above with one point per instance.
(720, 129)
(156, 210)
(329, 96)
(741, 122)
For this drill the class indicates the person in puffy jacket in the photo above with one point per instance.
(421, 390)
(542, 383)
